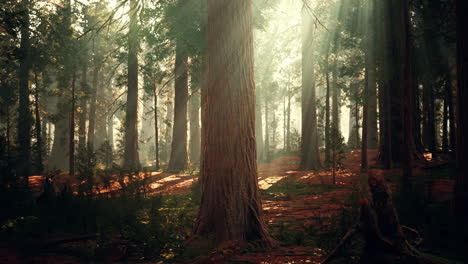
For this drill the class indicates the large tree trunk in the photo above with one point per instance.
(179, 155)
(406, 84)
(131, 158)
(391, 90)
(24, 113)
(461, 187)
(429, 128)
(230, 204)
(310, 157)
(372, 131)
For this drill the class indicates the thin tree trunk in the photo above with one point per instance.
(39, 144)
(83, 104)
(327, 112)
(131, 157)
(451, 114)
(93, 103)
(230, 204)
(445, 145)
(179, 155)
(267, 134)
(365, 116)
(195, 139)
(288, 125)
(156, 128)
(71, 148)
(24, 113)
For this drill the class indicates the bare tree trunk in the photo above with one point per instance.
(406, 85)
(156, 128)
(445, 145)
(267, 134)
(310, 157)
(195, 124)
(429, 128)
(39, 142)
(372, 131)
(131, 157)
(288, 125)
(83, 104)
(327, 111)
(169, 124)
(24, 113)
(230, 204)
(179, 155)
(93, 103)
(71, 149)
(365, 117)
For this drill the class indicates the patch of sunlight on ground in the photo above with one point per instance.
(428, 156)
(268, 182)
(308, 176)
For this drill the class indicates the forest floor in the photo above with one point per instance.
(306, 212)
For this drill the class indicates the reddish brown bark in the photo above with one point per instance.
(230, 204)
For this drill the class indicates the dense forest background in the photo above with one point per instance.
(146, 130)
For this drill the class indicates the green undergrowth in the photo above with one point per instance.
(148, 227)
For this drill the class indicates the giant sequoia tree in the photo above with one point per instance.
(230, 204)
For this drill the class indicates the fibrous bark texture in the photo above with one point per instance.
(131, 158)
(230, 204)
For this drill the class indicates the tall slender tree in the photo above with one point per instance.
(131, 158)
(179, 155)
(24, 112)
(310, 157)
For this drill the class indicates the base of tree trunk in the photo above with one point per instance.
(385, 240)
